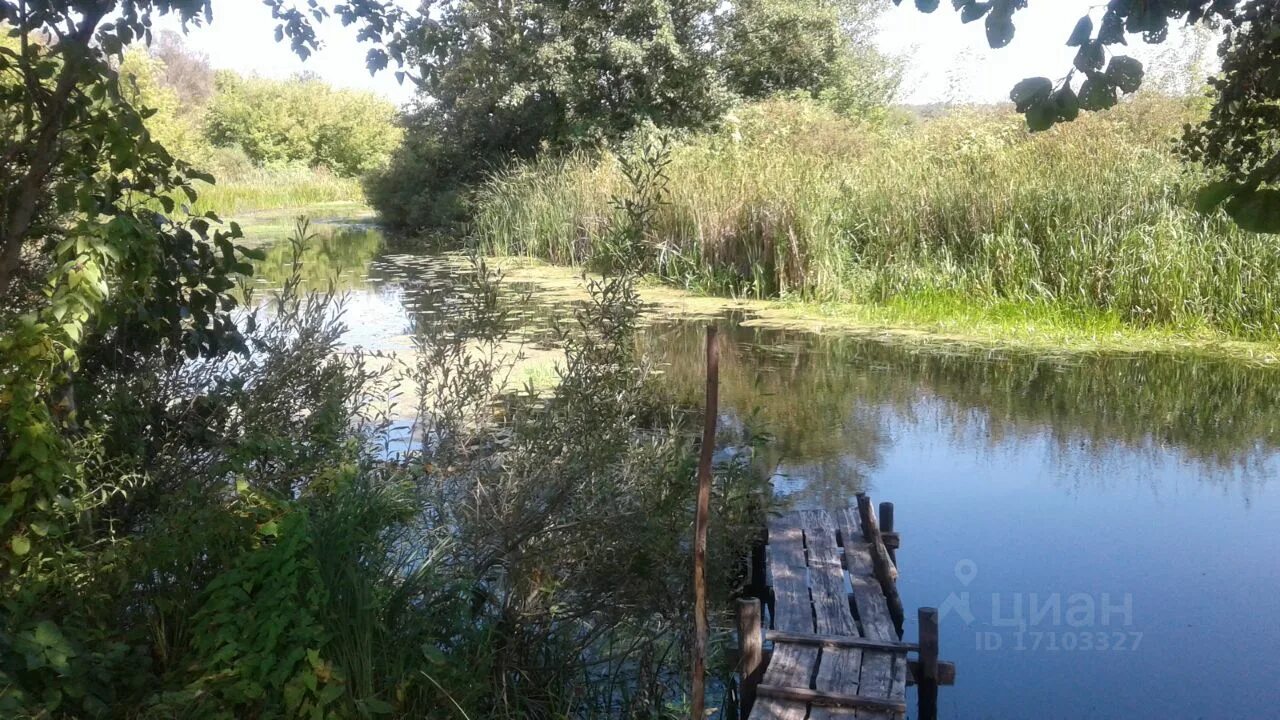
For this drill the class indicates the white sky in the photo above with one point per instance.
(947, 61)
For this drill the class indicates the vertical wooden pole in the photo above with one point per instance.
(701, 520)
(750, 653)
(757, 587)
(886, 525)
(927, 683)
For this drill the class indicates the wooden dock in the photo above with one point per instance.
(834, 623)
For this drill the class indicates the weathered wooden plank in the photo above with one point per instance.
(789, 575)
(775, 708)
(786, 540)
(819, 528)
(838, 672)
(819, 697)
(836, 641)
(831, 611)
(789, 666)
(946, 672)
(831, 623)
(750, 651)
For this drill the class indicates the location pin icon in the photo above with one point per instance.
(966, 571)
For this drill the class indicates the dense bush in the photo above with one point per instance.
(303, 121)
(795, 199)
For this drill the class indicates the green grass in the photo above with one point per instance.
(964, 219)
(939, 321)
(277, 190)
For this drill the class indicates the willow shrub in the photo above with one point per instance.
(790, 199)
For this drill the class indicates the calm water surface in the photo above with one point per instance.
(1102, 535)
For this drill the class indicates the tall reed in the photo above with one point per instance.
(790, 199)
(253, 189)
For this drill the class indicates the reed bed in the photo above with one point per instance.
(253, 189)
(789, 199)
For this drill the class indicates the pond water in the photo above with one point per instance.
(1102, 535)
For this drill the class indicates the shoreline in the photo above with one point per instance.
(930, 322)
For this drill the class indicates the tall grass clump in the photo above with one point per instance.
(256, 188)
(791, 199)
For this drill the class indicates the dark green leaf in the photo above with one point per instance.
(1257, 211)
(999, 29)
(974, 11)
(1082, 32)
(1090, 56)
(1125, 73)
(1097, 94)
(1112, 30)
(1214, 194)
(1042, 116)
(1031, 92)
(1067, 104)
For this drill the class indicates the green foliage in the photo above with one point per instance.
(143, 85)
(585, 75)
(1239, 140)
(593, 76)
(820, 48)
(796, 200)
(303, 121)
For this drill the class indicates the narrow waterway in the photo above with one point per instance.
(1102, 534)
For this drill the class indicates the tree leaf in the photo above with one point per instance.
(1042, 116)
(1089, 57)
(1214, 194)
(1097, 94)
(926, 6)
(1125, 73)
(1031, 92)
(1112, 30)
(999, 29)
(974, 11)
(1257, 211)
(1067, 104)
(20, 545)
(1081, 34)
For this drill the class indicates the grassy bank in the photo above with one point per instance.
(936, 322)
(1088, 223)
(257, 189)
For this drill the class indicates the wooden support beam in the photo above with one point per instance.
(839, 641)
(885, 571)
(927, 688)
(946, 672)
(928, 642)
(819, 697)
(750, 653)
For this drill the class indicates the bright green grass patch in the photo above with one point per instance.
(275, 189)
(936, 319)
(931, 319)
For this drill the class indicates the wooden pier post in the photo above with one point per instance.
(886, 529)
(927, 682)
(750, 653)
(702, 518)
